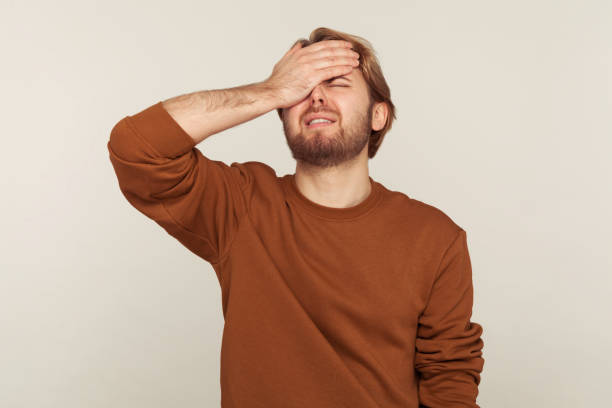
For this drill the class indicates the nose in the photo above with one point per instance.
(317, 95)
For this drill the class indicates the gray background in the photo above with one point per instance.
(503, 123)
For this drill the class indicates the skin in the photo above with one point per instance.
(332, 161)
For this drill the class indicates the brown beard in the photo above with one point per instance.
(328, 148)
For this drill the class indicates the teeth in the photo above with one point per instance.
(319, 121)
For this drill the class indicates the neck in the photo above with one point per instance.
(338, 186)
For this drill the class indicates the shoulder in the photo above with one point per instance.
(262, 184)
(421, 216)
(251, 173)
(434, 215)
(256, 169)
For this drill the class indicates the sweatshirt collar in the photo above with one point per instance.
(334, 213)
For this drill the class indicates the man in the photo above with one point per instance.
(336, 291)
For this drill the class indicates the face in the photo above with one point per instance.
(343, 99)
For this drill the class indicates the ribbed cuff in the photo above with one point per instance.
(161, 130)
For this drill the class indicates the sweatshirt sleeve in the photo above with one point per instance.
(448, 346)
(162, 174)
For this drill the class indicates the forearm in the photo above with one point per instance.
(449, 346)
(204, 113)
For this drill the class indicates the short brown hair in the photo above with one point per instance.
(378, 90)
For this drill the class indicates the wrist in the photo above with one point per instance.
(267, 94)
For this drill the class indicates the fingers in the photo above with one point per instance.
(334, 54)
(329, 47)
(329, 44)
(326, 62)
(330, 58)
(293, 49)
(337, 70)
(296, 46)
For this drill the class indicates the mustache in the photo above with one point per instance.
(332, 113)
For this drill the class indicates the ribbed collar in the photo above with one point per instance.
(334, 213)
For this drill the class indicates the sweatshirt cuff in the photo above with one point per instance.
(156, 126)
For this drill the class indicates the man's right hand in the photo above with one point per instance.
(301, 69)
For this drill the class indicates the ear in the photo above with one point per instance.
(379, 115)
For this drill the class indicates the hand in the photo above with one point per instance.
(301, 69)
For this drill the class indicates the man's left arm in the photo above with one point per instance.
(448, 345)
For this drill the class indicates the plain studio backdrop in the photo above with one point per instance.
(503, 122)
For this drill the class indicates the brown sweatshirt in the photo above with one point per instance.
(360, 307)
